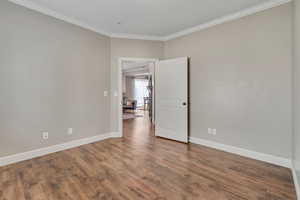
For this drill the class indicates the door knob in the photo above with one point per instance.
(184, 103)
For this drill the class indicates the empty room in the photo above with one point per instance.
(154, 100)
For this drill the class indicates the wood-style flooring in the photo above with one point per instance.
(140, 166)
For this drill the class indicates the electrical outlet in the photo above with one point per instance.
(209, 130)
(45, 135)
(70, 131)
(214, 131)
(105, 93)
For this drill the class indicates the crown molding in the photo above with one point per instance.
(137, 37)
(228, 18)
(221, 20)
(33, 6)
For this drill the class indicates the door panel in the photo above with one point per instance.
(171, 87)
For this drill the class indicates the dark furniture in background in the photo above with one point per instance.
(129, 104)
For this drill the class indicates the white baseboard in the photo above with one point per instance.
(116, 134)
(296, 182)
(244, 152)
(55, 148)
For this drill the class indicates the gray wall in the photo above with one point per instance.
(53, 74)
(296, 139)
(241, 81)
(52, 77)
(129, 83)
(128, 48)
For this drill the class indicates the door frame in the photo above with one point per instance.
(120, 86)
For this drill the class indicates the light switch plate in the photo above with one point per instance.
(209, 131)
(70, 131)
(214, 131)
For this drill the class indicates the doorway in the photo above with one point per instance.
(157, 90)
(136, 93)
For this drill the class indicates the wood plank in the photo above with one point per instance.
(141, 166)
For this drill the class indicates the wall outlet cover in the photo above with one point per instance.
(45, 135)
(70, 131)
(214, 131)
(209, 130)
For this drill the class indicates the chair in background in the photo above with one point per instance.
(129, 105)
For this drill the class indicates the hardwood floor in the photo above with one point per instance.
(140, 166)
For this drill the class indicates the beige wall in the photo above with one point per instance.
(52, 77)
(53, 74)
(128, 48)
(296, 139)
(240, 79)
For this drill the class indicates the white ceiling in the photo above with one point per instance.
(152, 18)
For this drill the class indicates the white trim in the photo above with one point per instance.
(138, 59)
(296, 183)
(221, 20)
(134, 66)
(52, 149)
(137, 36)
(120, 96)
(33, 6)
(116, 135)
(228, 18)
(284, 162)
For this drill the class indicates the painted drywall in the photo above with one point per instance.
(52, 77)
(53, 74)
(296, 88)
(240, 81)
(129, 83)
(128, 48)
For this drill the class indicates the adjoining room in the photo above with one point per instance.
(137, 90)
(137, 97)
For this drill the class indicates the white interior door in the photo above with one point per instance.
(171, 100)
